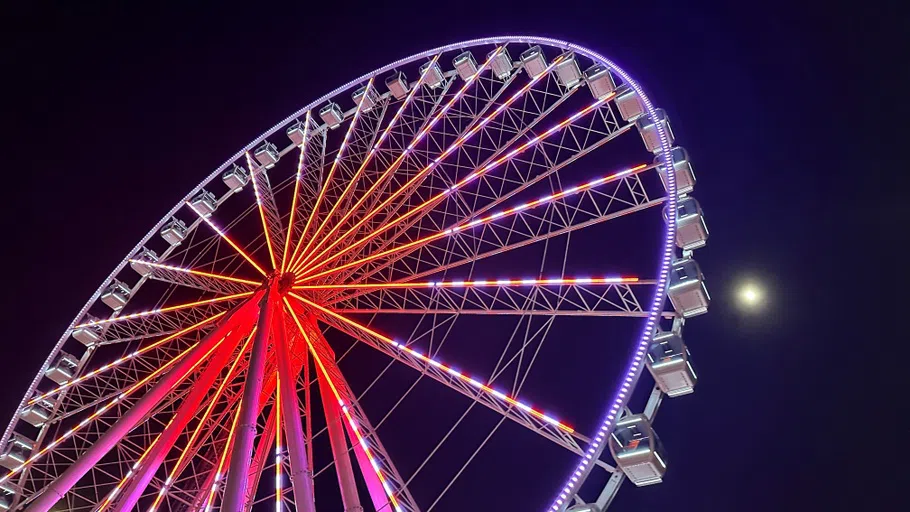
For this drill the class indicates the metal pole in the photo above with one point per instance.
(333, 418)
(301, 474)
(182, 417)
(235, 487)
(55, 491)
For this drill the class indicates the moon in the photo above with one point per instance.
(751, 296)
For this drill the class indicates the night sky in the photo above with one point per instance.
(791, 116)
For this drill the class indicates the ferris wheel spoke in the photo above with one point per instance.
(617, 300)
(268, 211)
(205, 281)
(298, 180)
(363, 166)
(386, 487)
(161, 321)
(330, 176)
(227, 239)
(386, 178)
(463, 182)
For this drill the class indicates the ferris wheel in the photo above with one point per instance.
(436, 286)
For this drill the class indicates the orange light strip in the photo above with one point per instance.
(360, 170)
(97, 413)
(429, 168)
(473, 283)
(209, 502)
(483, 220)
(401, 347)
(166, 310)
(196, 272)
(347, 413)
(227, 239)
(328, 180)
(205, 416)
(265, 224)
(287, 240)
(131, 355)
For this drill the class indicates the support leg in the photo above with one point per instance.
(335, 423)
(235, 488)
(301, 473)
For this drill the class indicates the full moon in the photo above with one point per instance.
(751, 296)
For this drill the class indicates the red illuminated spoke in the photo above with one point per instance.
(179, 465)
(197, 272)
(425, 361)
(123, 359)
(298, 177)
(429, 168)
(165, 310)
(314, 213)
(467, 225)
(398, 161)
(464, 181)
(392, 123)
(227, 239)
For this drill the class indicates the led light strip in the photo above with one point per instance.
(363, 165)
(97, 413)
(344, 409)
(265, 225)
(448, 369)
(483, 220)
(165, 310)
(475, 282)
(123, 359)
(227, 239)
(300, 160)
(195, 272)
(455, 145)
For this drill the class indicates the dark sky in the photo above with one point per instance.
(792, 116)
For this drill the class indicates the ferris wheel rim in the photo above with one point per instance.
(633, 371)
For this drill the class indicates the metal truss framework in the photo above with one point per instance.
(186, 404)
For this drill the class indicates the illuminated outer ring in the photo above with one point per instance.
(636, 363)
